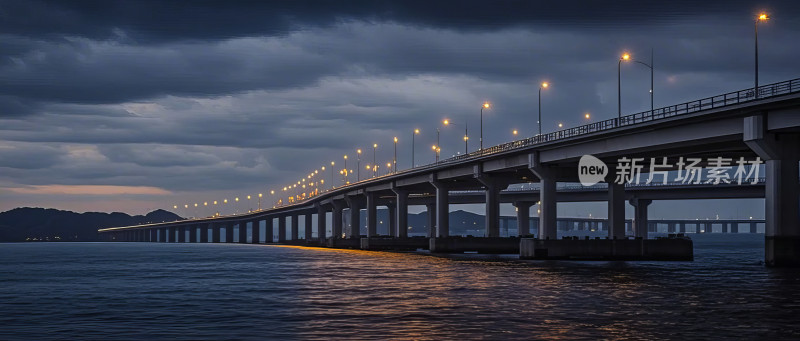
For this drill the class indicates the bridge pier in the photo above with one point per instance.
(523, 218)
(616, 208)
(216, 233)
(181, 234)
(308, 228)
(255, 231)
(243, 232)
(295, 227)
(442, 208)
(281, 229)
(204, 233)
(492, 187)
(393, 230)
(372, 214)
(228, 232)
(753, 228)
(640, 217)
(321, 223)
(269, 233)
(782, 205)
(682, 227)
(193, 232)
(548, 215)
(354, 228)
(337, 216)
(431, 210)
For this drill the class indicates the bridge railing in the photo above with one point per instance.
(731, 98)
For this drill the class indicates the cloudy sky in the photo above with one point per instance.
(136, 105)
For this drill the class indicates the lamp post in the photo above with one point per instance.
(345, 170)
(436, 153)
(466, 133)
(389, 167)
(332, 176)
(484, 106)
(413, 135)
(619, 85)
(358, 164)
(374, 149)
(649, 66)
(543, 86)
(764, 17)
(394, 160)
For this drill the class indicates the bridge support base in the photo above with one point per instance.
(661, 249)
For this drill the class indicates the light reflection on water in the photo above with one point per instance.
(215, 291)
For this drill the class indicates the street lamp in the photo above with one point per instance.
(619, 86)
(543, 86)
(358, 172)
(394, 161)
(466, 133)
(484, 106)
(416, 132)
(345, 169)
(649, 66)
(374, 149)
(514, 132)
(764, 17)
(259, 201)
(332, 176)
(436, 152)
(389, 167)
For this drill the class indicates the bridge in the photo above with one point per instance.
(733, 125)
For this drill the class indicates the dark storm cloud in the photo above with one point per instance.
(160, 21)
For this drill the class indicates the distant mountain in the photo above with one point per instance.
(33, 224)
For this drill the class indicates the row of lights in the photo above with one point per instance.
(302, 194)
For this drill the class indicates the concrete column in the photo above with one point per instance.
(724, 227)
(523, 217)
(268, 230)
(401, 221)
(181, 235)
(616, 210)
(492, 200)
(193, 233)
(698, 227)
(354, 228)
(321, 223)
(431, 210)
(295, 227)
(709, 228)
(308, 228)
(243, 232)
(753, 228)
(372, 215)
(255, 232)
(548, 217)
(229, 232)
(336, 224)
(442, 209)
(215, 230)
(782, 204)
(393, 231)
(734, 227)
(640, 217)
(204, 233)
(682, 228)
(281, 229)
